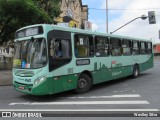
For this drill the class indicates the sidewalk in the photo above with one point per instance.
(5, 77)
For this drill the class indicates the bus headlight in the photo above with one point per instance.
(39, 80)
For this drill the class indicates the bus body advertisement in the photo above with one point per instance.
(50, 59)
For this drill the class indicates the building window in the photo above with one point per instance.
(115, 47)
(135, 46)
(101, 46)
(84, 46)
(126, 47)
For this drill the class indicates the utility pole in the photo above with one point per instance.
(107, 16)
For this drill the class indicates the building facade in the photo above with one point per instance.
(74, 14)
(156, 48)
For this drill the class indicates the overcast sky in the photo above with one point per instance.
(130, 9)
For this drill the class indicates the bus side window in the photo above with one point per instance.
(101, 46)
(149, 48)
(135, 48)
(115, 47)
(142, 48)
(126, 47)
(83, 45)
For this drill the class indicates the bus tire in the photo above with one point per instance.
(135, 71)
(84, 84)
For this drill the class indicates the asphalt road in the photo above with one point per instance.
(123, 97)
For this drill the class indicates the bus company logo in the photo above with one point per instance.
(113, 62)
(116, 73)
(6, 114)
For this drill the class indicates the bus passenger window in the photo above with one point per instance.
(149, 48)
(83, 46)
(135, 49)
(101, 46)
(115, 47)
(142, 48)
(126, 47)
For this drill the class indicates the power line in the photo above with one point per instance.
(125, 9)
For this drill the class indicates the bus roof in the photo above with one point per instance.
(82, 31)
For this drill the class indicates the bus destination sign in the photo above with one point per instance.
(29, 32)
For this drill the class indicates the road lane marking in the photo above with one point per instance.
(27, 103)
(83, 103)
(112, 96)
(72, 110)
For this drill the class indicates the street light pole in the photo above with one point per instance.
(143, 17)
(107, 16)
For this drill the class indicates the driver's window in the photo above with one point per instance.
(60, 48)
(56, 48)
(59, 52)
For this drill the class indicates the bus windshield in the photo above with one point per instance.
(30, 54)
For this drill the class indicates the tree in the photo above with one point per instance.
(15, 14)
(52, 7)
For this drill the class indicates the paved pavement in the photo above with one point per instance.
(124, 95)
(5, 77)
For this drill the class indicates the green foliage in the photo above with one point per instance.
(15, 14)
(52, 7)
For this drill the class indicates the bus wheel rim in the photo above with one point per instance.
(82, 83)
(136, 72)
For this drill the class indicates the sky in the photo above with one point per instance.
(122, 11)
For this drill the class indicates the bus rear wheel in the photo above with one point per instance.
(135, 71)
(84, 84)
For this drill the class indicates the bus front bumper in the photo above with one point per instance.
(41, 89)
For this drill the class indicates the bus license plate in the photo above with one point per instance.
(21, 87)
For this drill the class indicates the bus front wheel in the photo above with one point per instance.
(84, 84)
(135, 71)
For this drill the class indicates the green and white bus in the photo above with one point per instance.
(49, 59)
